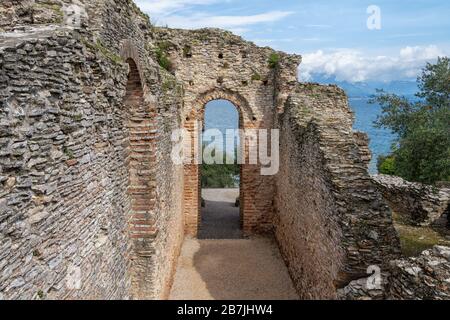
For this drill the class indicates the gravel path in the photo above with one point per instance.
(220, 216)
(250, 269)
(229, 267)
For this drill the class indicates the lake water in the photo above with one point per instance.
(380, 139)
(222, 115)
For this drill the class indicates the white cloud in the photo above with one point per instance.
(238, 31)
(355, 66)
(167, 7)
(201, 20)
(420, 53)
(264, 42)
(179, 14)
(320, 26)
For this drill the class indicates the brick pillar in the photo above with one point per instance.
(141, 189)
(192, 199)
(192, 188)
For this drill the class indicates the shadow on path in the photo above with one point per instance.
(221, 265)
(246, 269)
(220, 220)
(220, 217)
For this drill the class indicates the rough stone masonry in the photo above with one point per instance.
(419, 204)
(91, 205)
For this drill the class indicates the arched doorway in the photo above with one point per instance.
(192, 172)
(220, 171)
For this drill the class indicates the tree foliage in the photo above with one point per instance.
(386, 165)
(221, 175)
(422, 150)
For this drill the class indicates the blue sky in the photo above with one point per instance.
(332, 36)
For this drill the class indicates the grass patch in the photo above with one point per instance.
(187, 51)
(305, 111)
(414, 240)
(168, 84)
(46, 6)
(116, 59)
(103, 50)
(68, 153)
(256, 77)
(162, 57)
(202, 35)
(41, 294)
(77, 117)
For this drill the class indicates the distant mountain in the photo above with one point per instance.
(366, 89)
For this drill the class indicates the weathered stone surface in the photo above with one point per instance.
(362, 289)
(92, 206)
(65, 133)
(419, 204)
(332, 223)
(426, 277)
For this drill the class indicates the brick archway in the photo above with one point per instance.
(192, 174)
(141, 189)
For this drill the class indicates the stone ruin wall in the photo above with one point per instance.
(63, 171)
(344, 224)
(305, 225)
(426, 277)
(419, 204)
(71, 139)
(66, 154)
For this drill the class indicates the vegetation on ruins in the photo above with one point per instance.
(187, 51)
(49, 6)
(69, 153)
(162, 57)
(256, 77)
(415, 239)
(274, 60)
(101, 48)
(421, 152)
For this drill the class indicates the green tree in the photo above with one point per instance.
(422, 150)
(221, 175)
(386, 165)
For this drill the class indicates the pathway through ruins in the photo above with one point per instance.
(223, 265)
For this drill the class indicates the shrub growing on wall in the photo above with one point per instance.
(162, 56)
(274, 60)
